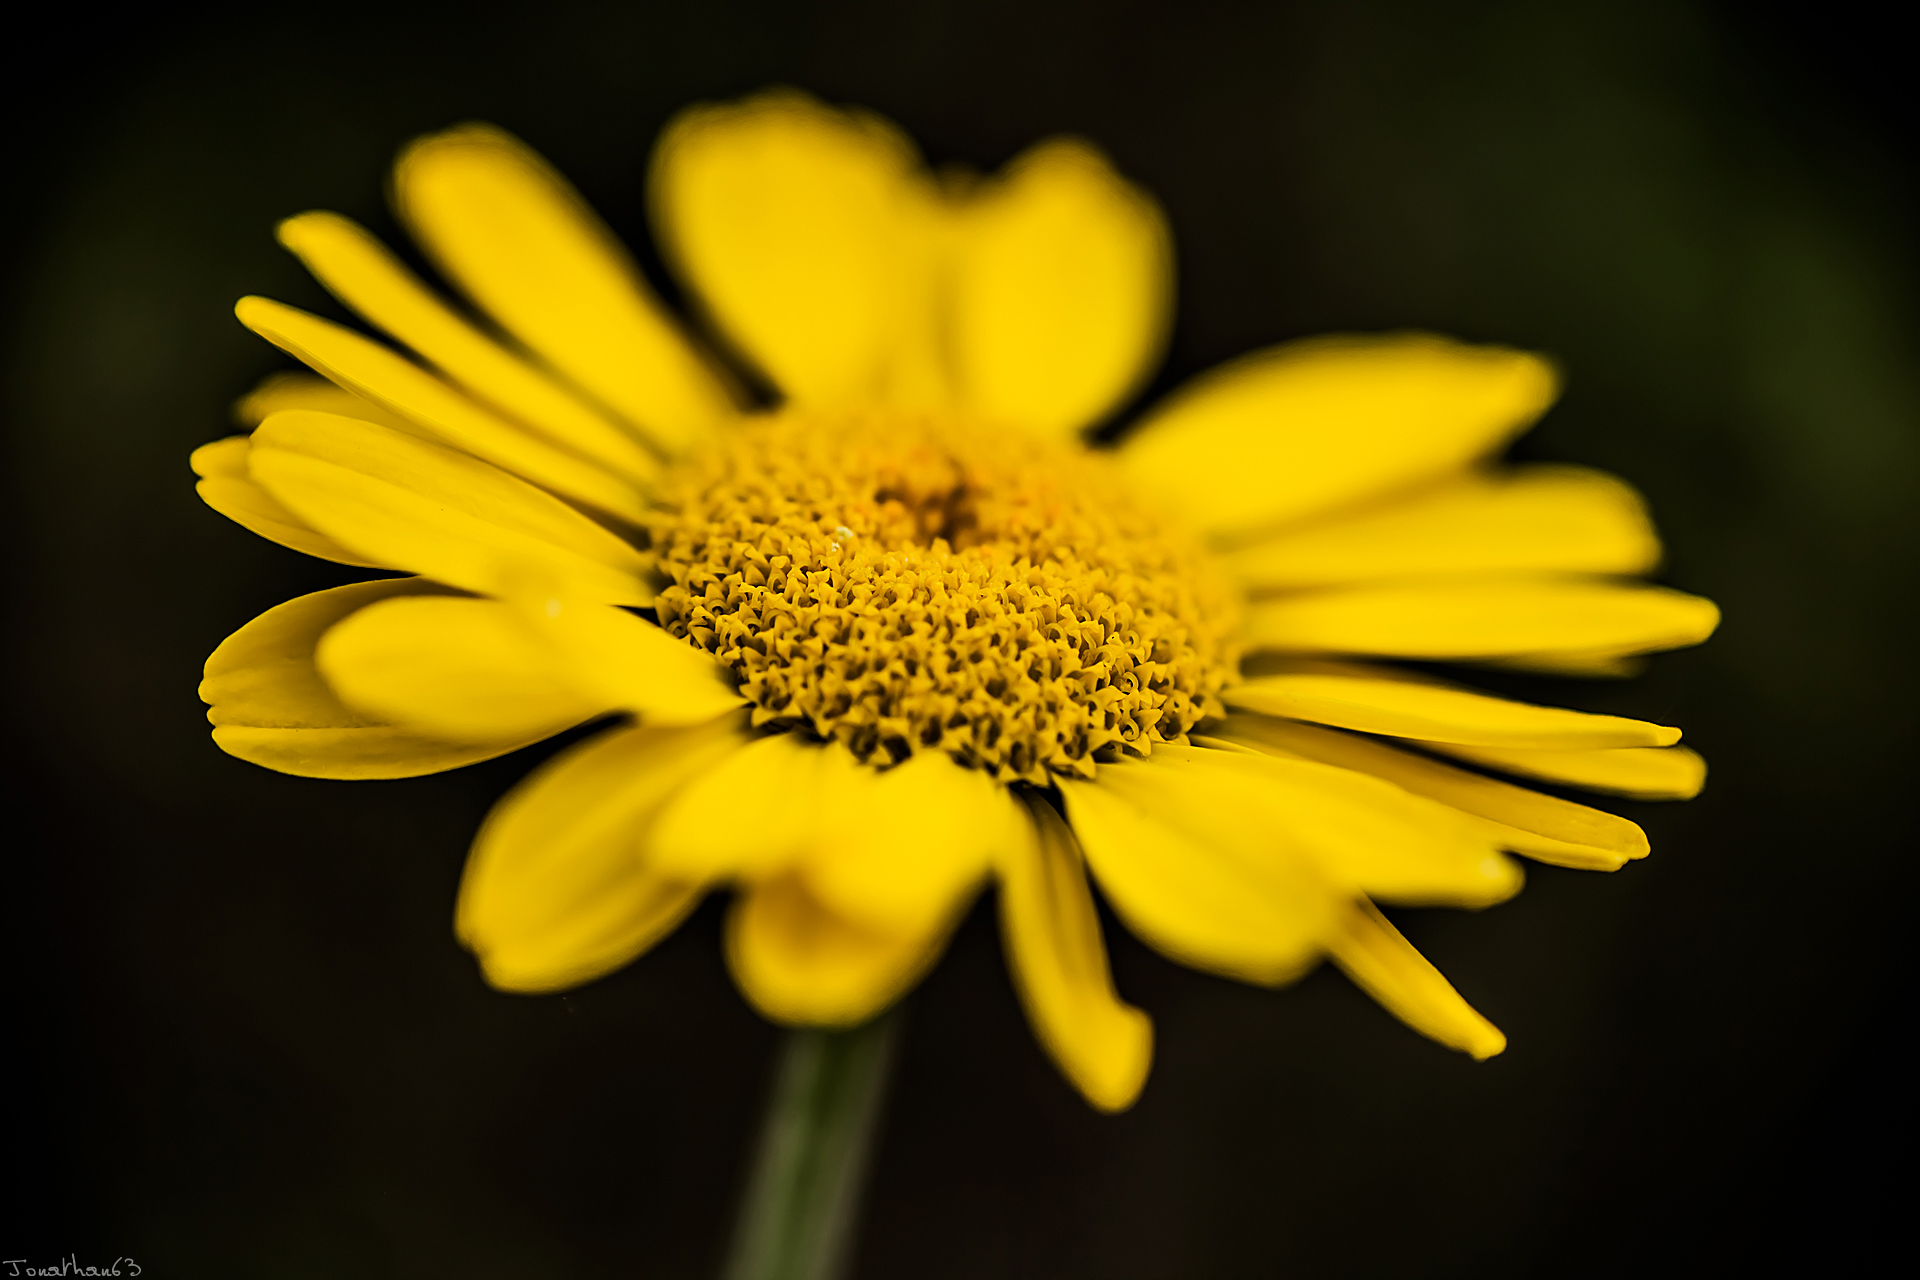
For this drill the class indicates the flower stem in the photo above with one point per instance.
(796, 1219)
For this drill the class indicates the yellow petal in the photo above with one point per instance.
(512, 233)
(1538, 519)
(1645, 773)
(290, 390)
(752, 814)
(799, 962)
(903, 849)
(1052, 937)
(1062, 290)
(1364, 833)
(360, 271)
(466, 670)
(1402, 707)
(221, 460)
(406, 501)
(1517, 816)
(1249, 914)
(1382, 963)
(1304, 428)
(809, 235)
(460, 668)
(628, 663)
(227, 488)
(556, 891)
(271, 707)
(384, 376)
(1482, 619)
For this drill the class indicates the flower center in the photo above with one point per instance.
(903, 582)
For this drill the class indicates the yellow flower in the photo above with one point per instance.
(906, 633)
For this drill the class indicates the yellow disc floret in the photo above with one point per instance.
(902, 582)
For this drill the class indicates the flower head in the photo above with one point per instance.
(904, 632)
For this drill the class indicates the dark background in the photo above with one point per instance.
(242, 1038)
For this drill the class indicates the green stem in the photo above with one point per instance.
(796, 1219)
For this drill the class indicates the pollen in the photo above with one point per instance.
(903, 583)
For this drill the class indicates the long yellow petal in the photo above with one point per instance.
(556, 891)
(1059, 962)
(1260, 919)
(270, 706)
(459, 668)
(1062, 290)
(397, 384)
(511, 232)
(903, 849)
(1516, 812)
(226, 486)
(302, 390)
(401, 500)
(1384, 964)
(753, 814)
(800, 963)
(630, 663)
(465, 670)
(1401, 707)
(1539, 519)
(1364, 833)
(360, 271)
(1300, 429)
(1482, 619)
(1645, 773)
(809, 234)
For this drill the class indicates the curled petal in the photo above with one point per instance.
(1052, 937)
(271, 706)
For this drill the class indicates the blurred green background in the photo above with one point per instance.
(244, 1040)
